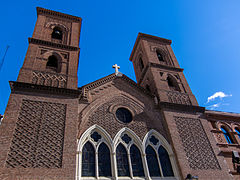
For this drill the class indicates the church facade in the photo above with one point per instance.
(112, 128)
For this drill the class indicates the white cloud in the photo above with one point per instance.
(218, 95)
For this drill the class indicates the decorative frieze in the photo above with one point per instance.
(178, 98)
(49, 79)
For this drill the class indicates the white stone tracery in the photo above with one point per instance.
(112, 145)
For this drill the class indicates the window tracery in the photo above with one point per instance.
(124, 156)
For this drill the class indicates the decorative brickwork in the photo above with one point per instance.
(196, 144)
(49, 79)
(39, 136)
(141, 123)
(179, 98)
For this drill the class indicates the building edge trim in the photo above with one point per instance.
(58, 14)
(51, 44)
(17, 87)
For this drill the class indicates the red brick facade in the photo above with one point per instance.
(48, 118)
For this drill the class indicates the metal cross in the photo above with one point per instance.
(116, 68)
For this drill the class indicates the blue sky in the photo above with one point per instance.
(205, 35)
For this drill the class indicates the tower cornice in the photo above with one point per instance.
(147, 36)
(52, 44)
(57, 14)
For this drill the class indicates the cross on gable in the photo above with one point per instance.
(116, 68)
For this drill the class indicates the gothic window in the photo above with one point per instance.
(152, 162)
(104, 161)
(141, 65)
(238, 132)
(165, 162)
(122, 161)
(160, 57)
(88, 160)
(57, 33)
(124, 115)
(52, 63)
(227, 135)
(172, 84)
(136, 161)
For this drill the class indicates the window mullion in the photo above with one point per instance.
(130, 165)
(96, 157)
(159, 163)
(145, 166)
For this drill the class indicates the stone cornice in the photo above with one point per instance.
(58, 14)
(27, 87)
(218, 115)
(181, 107)
(147, 36)
(51, 44)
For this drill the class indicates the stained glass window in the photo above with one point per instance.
(136, 160)
(154, 140)
(152, 162)
(88, 160)
(104, 161)
(227, 136)
(95, 136)
(124, 115)
(122, 161)
(165, 162)
(126, 138)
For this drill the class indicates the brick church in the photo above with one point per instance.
(112, 128)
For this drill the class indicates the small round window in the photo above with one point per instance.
(124, 115)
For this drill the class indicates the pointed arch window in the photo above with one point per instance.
(152, 162)
(141, 65)
(227, 135)
(104, 161)
(136, 161)
(160, 57)
(122, 161)
(165, 162)
(57, 33)
(238, 132)
(88, 160)
(52, 63)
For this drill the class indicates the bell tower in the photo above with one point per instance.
(53, 52)
(157, 70)
(40, 125)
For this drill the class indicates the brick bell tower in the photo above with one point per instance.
(157, 70)
(39, 129)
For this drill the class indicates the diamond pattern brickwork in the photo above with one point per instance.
(196, 144)
(39, 136)
(49, 79)
(178, 98)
